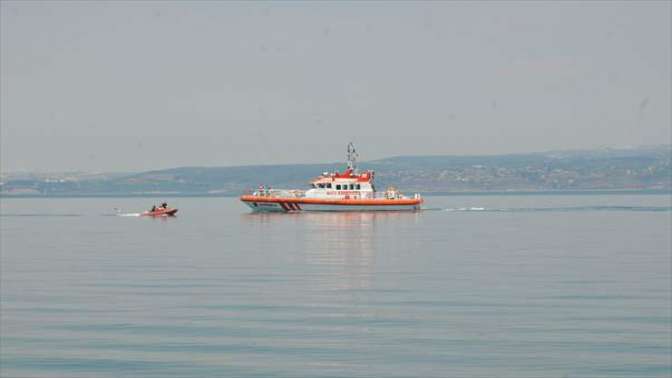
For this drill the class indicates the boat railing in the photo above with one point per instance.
(284, 193)
(288, 193)
(386, 195)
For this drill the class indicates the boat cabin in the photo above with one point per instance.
(346, 184)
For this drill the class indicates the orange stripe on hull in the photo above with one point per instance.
(286, 201)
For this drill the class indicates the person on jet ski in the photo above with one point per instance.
(164, 205)
(153, 208)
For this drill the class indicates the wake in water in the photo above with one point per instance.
(128, 214)
(560, 209)
(120, 213)
(39, 215)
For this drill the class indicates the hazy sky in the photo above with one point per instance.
(134, 86)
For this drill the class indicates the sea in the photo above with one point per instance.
(471, 286)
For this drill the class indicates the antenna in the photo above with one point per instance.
(352, 156)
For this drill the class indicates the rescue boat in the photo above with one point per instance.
(350, 190)
(160, 212)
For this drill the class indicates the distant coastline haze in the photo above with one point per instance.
(641, 170)
(137, 86)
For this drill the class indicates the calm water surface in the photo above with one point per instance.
(480, 286)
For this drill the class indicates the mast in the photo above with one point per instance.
(352, 157)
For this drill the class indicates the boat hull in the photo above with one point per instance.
(280, 204)
(160, 213)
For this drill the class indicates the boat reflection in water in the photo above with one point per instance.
(339, 247)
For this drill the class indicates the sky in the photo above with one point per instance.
(133, 86)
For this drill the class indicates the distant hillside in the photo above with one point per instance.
(605, 169)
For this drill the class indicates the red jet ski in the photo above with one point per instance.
(163, 211)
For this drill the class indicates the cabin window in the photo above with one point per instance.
(338, 186)
(328, 185)
(359, 187)
(320, 185)
(352, 186)
(312, 185)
